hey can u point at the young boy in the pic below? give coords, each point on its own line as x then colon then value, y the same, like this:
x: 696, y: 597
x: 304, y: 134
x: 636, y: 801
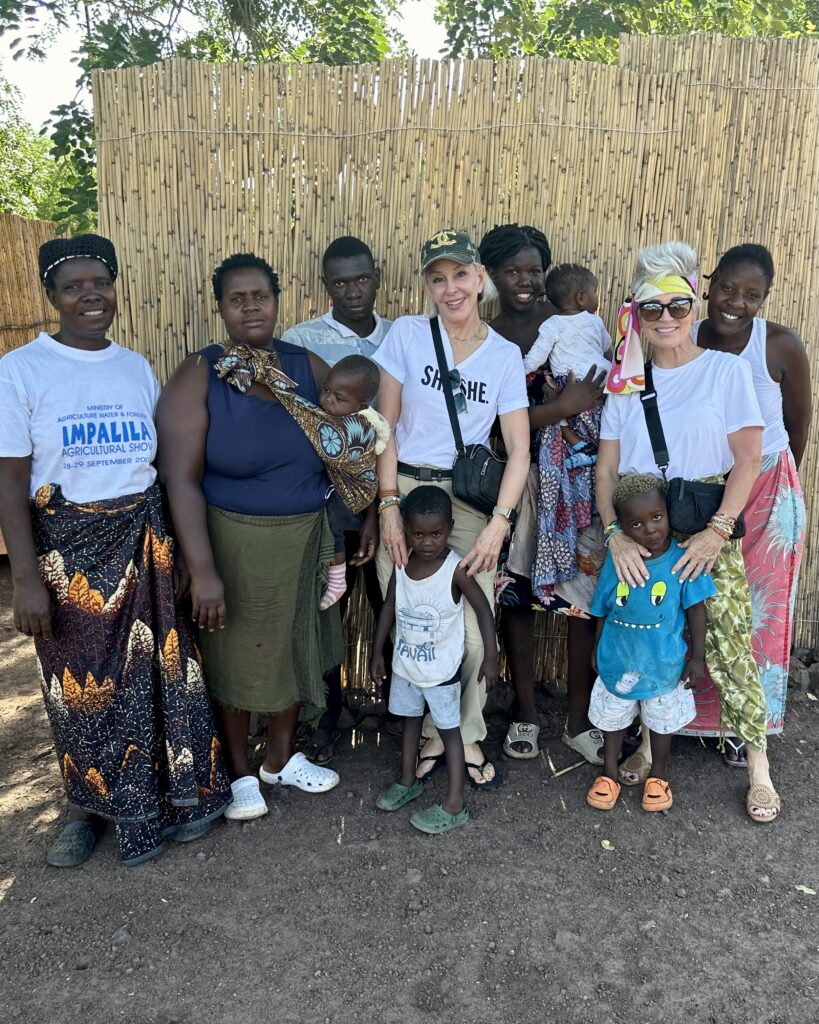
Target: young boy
x: 639, y: 651
x: 425, y: 602
x: 349, y: 390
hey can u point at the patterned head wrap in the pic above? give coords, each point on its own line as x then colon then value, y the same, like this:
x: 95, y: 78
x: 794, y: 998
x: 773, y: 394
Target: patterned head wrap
x: 627, y: 373
x: 671, y: 284
x: 93, y: 247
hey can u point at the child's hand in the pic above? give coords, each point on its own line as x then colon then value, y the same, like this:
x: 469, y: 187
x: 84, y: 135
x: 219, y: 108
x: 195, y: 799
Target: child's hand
x: 489, y: 672
x: 377, y: 672
x: 594, y: 660
x: 693, y: 673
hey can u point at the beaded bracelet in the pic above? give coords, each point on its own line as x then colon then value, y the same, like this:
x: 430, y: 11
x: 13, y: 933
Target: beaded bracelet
x: 720, y: 533
x: 611, y: 531
x: 389, y: 502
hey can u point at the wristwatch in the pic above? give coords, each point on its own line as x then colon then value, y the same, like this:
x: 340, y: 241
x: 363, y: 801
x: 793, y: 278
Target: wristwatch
x: 509, y: 514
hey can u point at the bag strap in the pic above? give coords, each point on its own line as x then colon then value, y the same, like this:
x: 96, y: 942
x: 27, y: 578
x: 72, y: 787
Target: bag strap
x: 654, y: 423
x: 443, y: 373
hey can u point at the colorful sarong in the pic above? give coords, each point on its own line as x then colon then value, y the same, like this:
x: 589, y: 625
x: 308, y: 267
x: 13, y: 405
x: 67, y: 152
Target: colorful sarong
x: 772, y: 552
x: 121, y: 678
x: 565, y: 501
x: 347, y: 445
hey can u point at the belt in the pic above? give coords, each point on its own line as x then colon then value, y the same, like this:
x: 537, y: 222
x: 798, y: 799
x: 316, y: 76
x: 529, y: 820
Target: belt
x: 424, y: 472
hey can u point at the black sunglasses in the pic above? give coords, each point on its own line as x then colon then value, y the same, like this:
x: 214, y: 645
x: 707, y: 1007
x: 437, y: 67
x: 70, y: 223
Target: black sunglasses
x: 458, y: 392
x: 678, y: 309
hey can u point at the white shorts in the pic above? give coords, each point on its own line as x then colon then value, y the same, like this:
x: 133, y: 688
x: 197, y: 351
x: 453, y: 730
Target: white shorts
x: 407, y: 700
x: 665, y: 714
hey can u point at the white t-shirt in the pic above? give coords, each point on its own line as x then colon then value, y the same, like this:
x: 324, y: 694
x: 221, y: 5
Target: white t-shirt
x: 86, y: 418
x: 492, y: 379
x: 575, y: 342
x: 700, y: 404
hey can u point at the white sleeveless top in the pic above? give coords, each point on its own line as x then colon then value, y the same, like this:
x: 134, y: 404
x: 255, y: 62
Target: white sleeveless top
x: 768, y: 391
x: 429, y: 626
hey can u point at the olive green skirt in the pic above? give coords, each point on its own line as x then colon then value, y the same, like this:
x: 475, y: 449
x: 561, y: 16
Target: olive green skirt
x: 276, y: 645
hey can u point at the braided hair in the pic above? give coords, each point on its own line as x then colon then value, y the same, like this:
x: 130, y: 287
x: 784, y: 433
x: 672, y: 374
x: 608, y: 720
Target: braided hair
x: 506, y: 240
x: 632, y: 485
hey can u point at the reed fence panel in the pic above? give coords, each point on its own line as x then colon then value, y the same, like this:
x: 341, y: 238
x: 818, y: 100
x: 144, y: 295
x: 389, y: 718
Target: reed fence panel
x: 24, y: 308
x: 694, y: 138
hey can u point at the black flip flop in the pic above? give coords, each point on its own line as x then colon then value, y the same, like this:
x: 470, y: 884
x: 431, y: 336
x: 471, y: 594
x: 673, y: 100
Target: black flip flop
x: 492, y: 783
x: 314, y: 749
x: 437, y: 759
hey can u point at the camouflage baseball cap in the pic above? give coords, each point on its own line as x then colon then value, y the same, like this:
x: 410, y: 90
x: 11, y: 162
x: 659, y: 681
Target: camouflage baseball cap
x: 449, y: 245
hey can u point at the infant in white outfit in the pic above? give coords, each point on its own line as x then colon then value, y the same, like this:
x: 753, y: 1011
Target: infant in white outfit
x: 576, y: 339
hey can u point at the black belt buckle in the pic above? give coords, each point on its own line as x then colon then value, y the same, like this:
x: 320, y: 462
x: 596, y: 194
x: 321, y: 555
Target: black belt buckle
x: 424, y: 473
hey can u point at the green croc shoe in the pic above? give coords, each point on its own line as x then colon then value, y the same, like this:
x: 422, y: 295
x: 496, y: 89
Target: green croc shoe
x: 73, y: 845
x: 435, y: 820
x: 395, y: 796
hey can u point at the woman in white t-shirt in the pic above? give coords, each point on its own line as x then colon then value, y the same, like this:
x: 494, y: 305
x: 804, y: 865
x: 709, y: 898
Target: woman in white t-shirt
x: 93, y: 568
x: 712, y: 424
x: 486, y: 376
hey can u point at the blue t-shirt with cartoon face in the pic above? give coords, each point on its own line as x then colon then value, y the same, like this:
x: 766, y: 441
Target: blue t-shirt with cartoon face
x: 641, y: 653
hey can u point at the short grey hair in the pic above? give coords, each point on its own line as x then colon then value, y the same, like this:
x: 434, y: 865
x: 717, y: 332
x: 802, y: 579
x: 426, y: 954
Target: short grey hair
x: 655, y: 261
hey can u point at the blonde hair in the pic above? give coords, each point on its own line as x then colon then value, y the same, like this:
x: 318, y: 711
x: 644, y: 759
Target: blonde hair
x: 663, y: 260
x: 633, y: 484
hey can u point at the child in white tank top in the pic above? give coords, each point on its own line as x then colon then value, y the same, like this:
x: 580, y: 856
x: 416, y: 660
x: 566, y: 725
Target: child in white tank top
x: 425, y: 603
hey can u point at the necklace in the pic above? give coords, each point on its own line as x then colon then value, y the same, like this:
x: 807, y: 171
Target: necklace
x: 480, y: 333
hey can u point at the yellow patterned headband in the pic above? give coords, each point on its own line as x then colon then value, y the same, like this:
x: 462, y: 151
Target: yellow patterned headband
x: 671, y: 284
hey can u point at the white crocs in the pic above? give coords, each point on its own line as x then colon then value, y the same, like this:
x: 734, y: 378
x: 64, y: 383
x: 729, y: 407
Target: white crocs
x: 302, y: 774
x: 247, y: 801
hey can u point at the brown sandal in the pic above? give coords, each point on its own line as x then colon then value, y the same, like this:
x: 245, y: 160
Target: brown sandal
x: 603, y: 794
x: 636, y: 764
x: 657, y: 795
x: 763, y: 798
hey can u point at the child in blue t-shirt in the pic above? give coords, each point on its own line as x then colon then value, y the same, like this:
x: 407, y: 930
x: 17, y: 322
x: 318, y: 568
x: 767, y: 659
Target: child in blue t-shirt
x: 639, y: 650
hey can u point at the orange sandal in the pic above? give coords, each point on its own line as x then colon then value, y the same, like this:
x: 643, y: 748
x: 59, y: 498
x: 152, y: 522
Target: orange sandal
x: 603, y: 794
x: 657, y: 795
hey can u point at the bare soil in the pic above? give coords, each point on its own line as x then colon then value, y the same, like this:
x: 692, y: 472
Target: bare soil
x: 329, y: 911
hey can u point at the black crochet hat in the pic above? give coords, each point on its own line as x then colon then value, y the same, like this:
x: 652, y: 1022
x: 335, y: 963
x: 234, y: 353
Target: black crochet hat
x: 95, y: 247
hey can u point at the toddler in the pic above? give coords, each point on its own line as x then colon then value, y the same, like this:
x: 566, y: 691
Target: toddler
x: 425, y: 603
x: 639, y: 651
x: 574, y: 341
x: 350, y: 389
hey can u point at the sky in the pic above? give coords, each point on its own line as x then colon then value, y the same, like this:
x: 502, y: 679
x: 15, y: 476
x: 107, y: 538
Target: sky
x: 45, y: 84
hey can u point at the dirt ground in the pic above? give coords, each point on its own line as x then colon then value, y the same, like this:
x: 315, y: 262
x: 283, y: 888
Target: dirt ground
x: 328, y: 911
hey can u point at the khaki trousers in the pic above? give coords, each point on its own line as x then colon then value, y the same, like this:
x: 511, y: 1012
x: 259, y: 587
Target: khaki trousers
x: 468, y: 524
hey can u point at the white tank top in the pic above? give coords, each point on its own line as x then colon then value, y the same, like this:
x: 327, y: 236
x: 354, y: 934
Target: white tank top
x: 429, y: 626
x: 768, y: 391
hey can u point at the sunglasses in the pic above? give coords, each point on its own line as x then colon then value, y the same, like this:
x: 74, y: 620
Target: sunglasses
x: 458, y: 392
x: 678, y: 309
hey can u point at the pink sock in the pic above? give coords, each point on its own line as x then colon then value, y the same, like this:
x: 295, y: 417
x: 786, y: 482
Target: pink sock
x: 336, y: 585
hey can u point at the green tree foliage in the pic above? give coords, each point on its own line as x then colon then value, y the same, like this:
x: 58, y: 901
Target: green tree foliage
x: 589, y: 29
x: 128, y: 33
x: 30, y: 178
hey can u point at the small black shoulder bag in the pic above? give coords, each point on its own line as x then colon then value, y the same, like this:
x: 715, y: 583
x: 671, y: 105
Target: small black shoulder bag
x: 476, y: 472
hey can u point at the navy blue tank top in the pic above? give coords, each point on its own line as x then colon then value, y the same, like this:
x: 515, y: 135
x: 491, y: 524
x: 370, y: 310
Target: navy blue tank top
x: 258, y: 461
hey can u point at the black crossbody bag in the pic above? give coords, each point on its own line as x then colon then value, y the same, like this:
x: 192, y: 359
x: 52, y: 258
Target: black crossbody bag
x: 691, y: 503
x: 476, y: 471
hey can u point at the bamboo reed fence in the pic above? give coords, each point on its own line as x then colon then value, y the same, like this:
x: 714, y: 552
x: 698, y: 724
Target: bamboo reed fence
x: 710, y: 140
x: 24, y: 309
